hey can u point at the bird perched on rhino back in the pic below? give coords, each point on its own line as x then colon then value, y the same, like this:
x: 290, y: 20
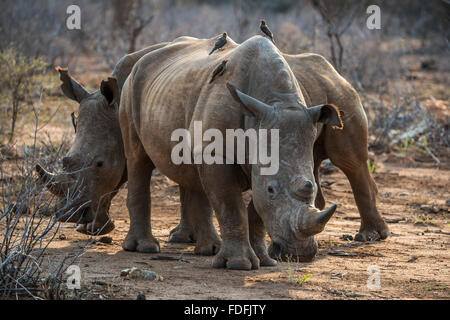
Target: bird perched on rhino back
x: 220, y: 43
x: 219, y: 70
x: 265, y: 29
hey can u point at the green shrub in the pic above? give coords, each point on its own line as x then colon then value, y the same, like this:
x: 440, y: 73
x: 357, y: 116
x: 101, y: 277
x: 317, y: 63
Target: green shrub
x: 17, y: 81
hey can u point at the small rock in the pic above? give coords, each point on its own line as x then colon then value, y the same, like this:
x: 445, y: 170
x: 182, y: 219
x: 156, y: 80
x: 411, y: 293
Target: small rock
x: 404, y: 194
x: 430, y: 209
x: 386, y: 195
x: 99, y: 282
x: 447, y: 202
x: 149, y: 275
x: 435, y: 209
x: 124, y: 272
x: 141, y: 296
x: 106, y: 239
x: 134, y: 273
x: 341, y: 253
x: 394, y: 220
x: 347, y: 237
x: 62, y: 236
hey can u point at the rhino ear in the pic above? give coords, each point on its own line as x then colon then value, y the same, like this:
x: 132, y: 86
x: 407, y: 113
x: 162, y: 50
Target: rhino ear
x: 327, y: 114
x: 253, y: 106
x: 110, y: 90
x: 71, y: 88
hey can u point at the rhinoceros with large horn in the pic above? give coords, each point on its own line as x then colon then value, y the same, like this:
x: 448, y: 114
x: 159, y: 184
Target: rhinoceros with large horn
x: 316, y: 83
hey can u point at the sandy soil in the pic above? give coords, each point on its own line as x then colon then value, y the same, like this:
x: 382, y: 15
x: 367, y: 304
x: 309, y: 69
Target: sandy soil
x: 414, y: 261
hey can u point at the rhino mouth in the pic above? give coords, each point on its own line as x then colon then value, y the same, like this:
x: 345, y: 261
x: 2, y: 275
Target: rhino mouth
x: 303, y: 251
x: 82, y: 214
x: 91, y: 214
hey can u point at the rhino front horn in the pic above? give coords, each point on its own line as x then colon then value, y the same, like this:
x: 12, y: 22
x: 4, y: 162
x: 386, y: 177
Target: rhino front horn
x: 316, y: 221
x: 323, y: 217
x: 53, y: 182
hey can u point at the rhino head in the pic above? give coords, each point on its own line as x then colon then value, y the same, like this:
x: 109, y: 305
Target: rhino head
x: 285, y: 200
x: 95, y: 165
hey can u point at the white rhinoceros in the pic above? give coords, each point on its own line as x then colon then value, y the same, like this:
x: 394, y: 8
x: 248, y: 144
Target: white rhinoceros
x: 167, y: 90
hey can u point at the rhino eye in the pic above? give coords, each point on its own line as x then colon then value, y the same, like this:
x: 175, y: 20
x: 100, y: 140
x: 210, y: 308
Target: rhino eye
x: 99, y: 164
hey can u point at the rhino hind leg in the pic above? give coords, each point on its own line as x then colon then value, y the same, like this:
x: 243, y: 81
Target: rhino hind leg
x: 319, y: 156
x: 347, y: 149
x: 197, y: 222
x: 373, y: 227
x: 182, y: 233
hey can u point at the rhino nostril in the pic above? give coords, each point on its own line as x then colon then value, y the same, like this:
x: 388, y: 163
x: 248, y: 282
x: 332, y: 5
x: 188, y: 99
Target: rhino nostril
x: 305, y: 192
x: 308, y: 186
x: 66, y: 162
x: 272, y: 189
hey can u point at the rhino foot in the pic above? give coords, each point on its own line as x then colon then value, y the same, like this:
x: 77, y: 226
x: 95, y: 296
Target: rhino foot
x: 181, y: 234
x: 208, y: 246
x: 231, y: 258
x: 260, y: 249
x: 377, y: 232
x: 94, y: 229
x: 266, y: 261
x: 146, y: 244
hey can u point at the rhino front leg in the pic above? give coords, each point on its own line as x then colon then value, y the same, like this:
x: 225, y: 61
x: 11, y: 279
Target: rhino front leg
x: 257, y: 234
x: 140, y: 169
x: 140, y: 236
x: 197, y: 219
x: 224, y: 191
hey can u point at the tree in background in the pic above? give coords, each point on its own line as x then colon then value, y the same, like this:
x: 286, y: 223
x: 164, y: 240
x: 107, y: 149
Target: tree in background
x: 17, y: 82
x: 338, y: 16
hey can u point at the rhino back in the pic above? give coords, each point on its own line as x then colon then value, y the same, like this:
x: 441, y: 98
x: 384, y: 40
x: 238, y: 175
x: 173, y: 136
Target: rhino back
x: 174, y: 81
x: 127, y: 62
x: 169, y: 89
x: 321, y: 83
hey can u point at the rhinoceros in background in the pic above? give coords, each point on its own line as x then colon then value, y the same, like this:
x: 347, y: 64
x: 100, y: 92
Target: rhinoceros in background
x: 96, y: 167
x: 319, y: 83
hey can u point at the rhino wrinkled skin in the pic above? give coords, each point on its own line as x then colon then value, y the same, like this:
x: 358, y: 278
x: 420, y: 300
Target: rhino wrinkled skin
x: 168, y: 89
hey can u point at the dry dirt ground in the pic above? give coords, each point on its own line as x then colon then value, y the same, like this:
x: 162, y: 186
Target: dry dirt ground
x: 414, y: 261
